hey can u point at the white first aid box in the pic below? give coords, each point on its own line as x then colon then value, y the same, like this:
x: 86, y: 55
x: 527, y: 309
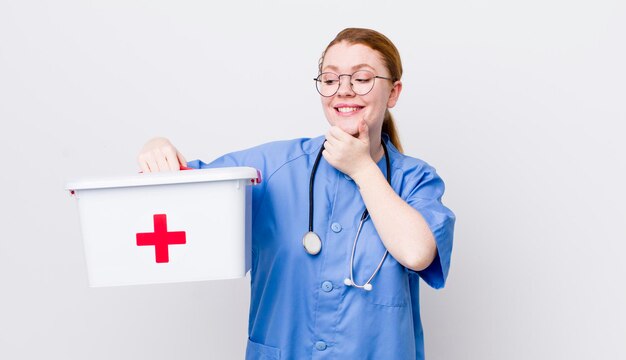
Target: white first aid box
x: 166, y: 227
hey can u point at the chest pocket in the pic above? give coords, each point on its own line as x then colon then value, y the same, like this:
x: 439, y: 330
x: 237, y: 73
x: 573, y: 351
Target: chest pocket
x: 390, y: 286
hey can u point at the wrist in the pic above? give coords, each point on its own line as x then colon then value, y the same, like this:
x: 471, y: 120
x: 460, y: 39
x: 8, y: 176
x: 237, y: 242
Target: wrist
x: 365, y: 172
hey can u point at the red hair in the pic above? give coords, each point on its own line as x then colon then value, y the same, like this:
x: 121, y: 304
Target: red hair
x: 391, y: 58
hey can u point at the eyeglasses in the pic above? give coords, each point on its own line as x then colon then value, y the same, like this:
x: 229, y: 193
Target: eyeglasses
x: 361, y: 82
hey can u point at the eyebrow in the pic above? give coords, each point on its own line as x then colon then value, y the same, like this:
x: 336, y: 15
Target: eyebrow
x: 332, y: 67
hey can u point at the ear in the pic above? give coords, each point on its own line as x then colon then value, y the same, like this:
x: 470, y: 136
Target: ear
x: 395, y: 94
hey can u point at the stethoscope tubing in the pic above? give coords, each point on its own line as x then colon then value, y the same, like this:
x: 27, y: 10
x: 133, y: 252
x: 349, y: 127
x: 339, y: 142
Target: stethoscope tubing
x: 312, y: 181
x: 364, y: 216
x: 380, y: 264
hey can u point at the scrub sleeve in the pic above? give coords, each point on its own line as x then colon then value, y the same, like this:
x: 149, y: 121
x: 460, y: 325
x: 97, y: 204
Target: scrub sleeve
x: 425, y: 197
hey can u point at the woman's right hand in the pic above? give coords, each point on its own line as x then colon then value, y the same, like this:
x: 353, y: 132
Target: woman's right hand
x: 159, y: 154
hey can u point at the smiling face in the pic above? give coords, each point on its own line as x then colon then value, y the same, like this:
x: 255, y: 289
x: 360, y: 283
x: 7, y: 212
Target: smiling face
x: 345, y: 109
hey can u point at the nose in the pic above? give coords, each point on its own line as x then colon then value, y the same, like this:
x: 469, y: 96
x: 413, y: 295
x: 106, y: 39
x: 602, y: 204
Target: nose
x: 345, y: 86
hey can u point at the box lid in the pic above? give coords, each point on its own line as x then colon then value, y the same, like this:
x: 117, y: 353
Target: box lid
x: 169, y: 177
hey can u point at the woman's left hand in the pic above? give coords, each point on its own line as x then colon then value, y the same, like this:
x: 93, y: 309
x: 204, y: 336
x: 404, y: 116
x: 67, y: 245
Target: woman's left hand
x: 347, y: 153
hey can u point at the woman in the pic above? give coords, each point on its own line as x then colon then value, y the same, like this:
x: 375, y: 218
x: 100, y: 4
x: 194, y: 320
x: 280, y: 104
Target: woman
x: 352, y: 292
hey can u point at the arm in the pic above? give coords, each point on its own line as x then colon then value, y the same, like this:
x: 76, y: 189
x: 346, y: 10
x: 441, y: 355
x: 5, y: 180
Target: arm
x: 403, y: 230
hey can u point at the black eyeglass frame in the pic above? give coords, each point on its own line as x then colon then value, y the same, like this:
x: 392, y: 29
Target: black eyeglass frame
x: 317, y: 80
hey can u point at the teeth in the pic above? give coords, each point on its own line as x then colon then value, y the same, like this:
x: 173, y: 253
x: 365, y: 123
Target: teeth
x: 347, y: 109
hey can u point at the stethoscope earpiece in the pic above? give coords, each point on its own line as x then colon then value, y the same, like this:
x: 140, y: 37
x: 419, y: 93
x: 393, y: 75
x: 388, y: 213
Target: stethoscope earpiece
x: 348, y: 282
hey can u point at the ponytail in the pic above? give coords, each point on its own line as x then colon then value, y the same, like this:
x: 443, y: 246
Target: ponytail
x: 389, y: 128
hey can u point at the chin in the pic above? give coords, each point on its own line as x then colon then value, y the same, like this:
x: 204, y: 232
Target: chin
x: 351, y: 127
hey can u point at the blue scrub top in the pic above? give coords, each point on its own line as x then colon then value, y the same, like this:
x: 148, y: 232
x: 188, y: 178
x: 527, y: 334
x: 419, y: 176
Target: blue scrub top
x: 299, y: 306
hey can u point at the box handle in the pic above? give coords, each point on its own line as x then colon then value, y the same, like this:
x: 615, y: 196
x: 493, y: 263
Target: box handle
x: 258, y: 178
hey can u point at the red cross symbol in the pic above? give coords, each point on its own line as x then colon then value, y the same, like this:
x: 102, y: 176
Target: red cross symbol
x: 161, y: 238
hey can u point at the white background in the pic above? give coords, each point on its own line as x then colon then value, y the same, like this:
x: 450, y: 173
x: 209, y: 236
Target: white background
x: 518, y: 104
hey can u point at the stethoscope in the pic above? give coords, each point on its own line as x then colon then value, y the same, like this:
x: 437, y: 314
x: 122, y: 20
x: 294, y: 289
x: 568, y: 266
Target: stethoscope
x: 312, y: 242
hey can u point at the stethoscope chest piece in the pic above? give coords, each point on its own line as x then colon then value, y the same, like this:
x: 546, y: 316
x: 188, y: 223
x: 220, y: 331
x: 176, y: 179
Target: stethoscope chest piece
x: 312, y: 243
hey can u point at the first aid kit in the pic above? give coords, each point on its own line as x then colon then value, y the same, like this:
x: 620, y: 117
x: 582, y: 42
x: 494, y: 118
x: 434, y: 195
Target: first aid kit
x: 166, y: 227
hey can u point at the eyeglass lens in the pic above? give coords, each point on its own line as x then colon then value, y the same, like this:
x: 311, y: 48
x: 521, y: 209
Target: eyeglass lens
x: 361, y: 82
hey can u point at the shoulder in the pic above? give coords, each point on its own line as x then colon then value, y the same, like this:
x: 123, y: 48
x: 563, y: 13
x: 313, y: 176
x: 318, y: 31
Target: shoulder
x: 288, y: 148
x: 272, y: 156
x: 406, y: 165
x: 281, y: 152
x: 411, y: 173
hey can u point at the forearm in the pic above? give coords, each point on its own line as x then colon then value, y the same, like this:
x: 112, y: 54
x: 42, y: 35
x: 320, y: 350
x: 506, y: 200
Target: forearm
x: 403, y: 230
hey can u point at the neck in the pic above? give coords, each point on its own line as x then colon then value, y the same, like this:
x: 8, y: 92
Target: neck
x: 376, y: 149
